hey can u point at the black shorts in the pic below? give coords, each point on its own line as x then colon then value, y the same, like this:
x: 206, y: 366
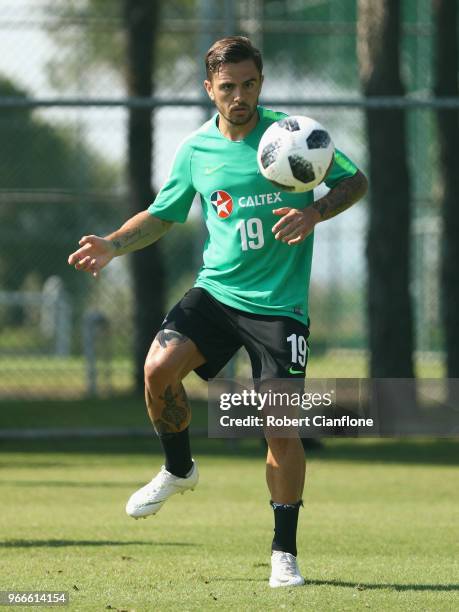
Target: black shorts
x: 277, y: 345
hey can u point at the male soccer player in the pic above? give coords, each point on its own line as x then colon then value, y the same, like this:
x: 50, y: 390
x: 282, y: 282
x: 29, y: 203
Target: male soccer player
x: 251, y: 290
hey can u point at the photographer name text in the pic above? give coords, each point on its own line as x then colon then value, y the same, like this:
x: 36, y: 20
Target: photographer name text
x: 283, y: 421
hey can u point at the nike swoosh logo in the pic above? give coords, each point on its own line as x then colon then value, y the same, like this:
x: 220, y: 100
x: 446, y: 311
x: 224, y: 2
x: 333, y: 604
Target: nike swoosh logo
x: 212, y: 170
x: 151, y: 503
x: 292, y: 371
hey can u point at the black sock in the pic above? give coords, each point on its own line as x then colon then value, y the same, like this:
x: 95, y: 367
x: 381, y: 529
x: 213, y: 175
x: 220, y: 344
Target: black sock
x: 285, y: 524
x: 176, y: 447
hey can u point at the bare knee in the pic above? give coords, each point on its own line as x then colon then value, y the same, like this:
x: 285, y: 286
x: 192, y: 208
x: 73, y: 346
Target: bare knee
x: 279, y: 447
x: 159, y: 374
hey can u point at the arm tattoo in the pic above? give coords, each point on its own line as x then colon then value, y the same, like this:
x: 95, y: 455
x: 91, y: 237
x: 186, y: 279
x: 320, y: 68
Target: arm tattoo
x: 342, y: 196
x: 175, y: 413
x: 127, y: 239
x: 170, y: 337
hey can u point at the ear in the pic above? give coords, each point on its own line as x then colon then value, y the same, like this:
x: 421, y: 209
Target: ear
x: 208, y: 87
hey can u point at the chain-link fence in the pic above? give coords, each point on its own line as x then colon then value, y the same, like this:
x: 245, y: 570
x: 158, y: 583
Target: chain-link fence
x: 63, y: 175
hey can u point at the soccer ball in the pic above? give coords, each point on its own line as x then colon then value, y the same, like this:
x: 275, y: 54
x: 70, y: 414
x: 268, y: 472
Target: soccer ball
x: 295, y: 153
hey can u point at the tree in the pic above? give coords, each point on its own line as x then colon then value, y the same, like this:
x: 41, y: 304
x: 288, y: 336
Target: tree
x: 388, y: 243
x: 446, y: 84
x: 40, y: 167
x: 141, y: 17
x: 91, y: 37
x: 121, y: 37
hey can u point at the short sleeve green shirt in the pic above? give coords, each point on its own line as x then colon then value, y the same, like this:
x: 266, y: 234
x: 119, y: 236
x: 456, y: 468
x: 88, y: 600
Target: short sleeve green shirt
x: 243, y: 265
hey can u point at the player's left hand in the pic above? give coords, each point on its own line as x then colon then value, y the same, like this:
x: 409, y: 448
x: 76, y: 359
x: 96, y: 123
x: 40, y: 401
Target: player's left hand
x: 294, y: 225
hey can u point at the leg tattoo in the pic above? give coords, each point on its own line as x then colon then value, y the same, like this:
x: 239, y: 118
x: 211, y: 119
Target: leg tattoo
x: 176, y: 411
x: 170, y: 337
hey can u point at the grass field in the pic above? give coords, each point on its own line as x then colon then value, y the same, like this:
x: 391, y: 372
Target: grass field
x: 32, y: 376
x: 379, y: 529
x: 35, y: 376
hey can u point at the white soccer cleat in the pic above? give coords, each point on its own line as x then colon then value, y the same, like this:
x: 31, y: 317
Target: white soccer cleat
x: 150, y: 498
x: 284, y: 570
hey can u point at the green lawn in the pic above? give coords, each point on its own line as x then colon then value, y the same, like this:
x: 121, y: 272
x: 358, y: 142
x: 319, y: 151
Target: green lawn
x: 35, y: 376
x: 118, y: 412
x: 379, y: 529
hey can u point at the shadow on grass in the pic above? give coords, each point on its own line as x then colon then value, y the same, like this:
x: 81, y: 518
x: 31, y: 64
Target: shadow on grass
x: 435, y: 451
x: 68, y: 483
x: 63, y: 543
x: 18, y: 463
x: 122, y: 446
x: 129, y: 411
x: 119, y: 411
x: 364, y: 586
x: 361, y: 586
x: 427, y: 451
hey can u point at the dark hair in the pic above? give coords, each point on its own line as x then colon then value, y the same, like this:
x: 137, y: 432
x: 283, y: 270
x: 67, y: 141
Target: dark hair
x: 231, y: 50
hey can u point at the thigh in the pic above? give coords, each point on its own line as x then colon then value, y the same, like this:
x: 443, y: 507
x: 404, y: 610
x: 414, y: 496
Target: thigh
x: 277, y: 346
x: 174, y: 352
x: 210, y: 327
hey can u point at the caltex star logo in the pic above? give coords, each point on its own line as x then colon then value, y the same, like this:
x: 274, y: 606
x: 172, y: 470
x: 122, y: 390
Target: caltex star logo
x: 222, y: 203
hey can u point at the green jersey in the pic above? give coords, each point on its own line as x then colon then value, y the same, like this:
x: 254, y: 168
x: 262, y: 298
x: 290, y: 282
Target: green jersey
x: 244, y: 266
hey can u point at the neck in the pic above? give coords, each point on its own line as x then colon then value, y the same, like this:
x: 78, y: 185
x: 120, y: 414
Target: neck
x: 236, y: 132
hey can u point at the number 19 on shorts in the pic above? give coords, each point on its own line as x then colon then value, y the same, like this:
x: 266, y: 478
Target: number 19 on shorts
x: 299, y: 348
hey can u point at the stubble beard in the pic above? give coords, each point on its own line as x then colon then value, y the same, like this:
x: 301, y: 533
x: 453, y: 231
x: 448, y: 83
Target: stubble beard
x: 242, y: 120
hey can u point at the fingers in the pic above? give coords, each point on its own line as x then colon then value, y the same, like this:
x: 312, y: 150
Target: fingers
x: 77, y: 256
x: 289, y: 215
x: 287, y: 224
x: 291, y: 231
x: 281, y: 223
x: 296, y: 240
x: 95, y: 268
x: 294, y: 233
x: 87, y: 240
x: 82, y: 263
x: 293, y: 227
x: 82, y: 258
x: 85, y: 263
x: 90, y: 266
x: 282, y: 211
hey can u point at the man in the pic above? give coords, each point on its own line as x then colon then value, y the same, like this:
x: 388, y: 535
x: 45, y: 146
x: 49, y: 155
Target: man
x: 251, y: 290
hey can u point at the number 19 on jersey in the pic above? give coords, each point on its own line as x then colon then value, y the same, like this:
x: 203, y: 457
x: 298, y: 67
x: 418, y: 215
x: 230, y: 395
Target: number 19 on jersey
x: 251, y: 234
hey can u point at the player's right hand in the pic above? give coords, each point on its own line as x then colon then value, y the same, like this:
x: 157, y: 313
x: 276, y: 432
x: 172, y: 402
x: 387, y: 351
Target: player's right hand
x: 93, y: 255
